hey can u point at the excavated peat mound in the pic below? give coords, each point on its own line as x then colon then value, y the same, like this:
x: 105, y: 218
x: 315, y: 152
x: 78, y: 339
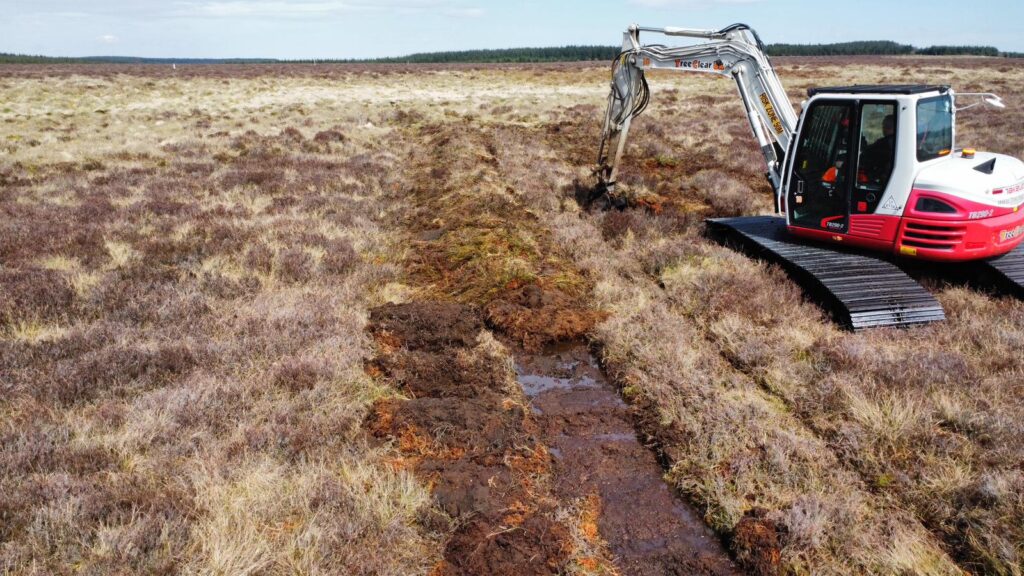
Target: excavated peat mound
x: 534, y: 317
x: 590, y: 434
x: 466, y: 433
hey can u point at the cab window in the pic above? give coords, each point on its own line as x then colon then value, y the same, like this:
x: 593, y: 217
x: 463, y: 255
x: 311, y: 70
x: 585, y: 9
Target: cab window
x: 876, y: 156
x: 819, y: 184
x: 934, y: 128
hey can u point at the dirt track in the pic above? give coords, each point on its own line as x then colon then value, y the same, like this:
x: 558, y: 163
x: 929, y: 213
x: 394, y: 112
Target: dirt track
x: 466, y: 432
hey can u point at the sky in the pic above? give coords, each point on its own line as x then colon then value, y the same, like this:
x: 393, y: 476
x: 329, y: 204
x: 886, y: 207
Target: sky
x: 368, y: 29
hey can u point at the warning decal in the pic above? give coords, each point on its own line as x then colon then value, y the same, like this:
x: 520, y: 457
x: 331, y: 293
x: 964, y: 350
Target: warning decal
x: 770, y: 110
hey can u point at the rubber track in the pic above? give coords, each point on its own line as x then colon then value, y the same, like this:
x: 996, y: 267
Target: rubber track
x: 1008, y: 271
x: 860, y: 291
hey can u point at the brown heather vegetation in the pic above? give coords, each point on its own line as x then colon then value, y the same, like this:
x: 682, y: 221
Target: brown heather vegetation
x: 182, y: 303
x: 188, y: 261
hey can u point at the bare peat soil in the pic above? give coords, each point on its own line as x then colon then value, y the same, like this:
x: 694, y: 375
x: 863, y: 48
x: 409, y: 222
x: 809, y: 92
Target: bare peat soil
x: 503, y: 451
x: 464, y: 433
x: 510, y: 448
x: 589, y: 432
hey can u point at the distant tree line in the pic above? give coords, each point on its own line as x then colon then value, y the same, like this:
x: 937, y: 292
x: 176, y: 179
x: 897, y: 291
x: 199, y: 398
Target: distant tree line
x: 29, y: 59
x: 510, y: 55
x: 26, y: 59
x: 561, y: 54
x: 867, y: 47
x: 605, y: 53
x: 959, y: 51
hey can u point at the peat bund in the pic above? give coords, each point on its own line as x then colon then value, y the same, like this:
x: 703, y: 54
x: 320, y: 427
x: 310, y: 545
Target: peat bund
x: 465, y: 431
x: 589, y: 432
x: 500, y: 463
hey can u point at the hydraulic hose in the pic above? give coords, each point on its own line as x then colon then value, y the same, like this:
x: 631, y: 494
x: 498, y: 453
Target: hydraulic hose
x: 640, y: 99
x: 641, y: 96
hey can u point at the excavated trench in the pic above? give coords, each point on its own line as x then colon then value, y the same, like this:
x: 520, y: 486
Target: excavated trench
x: 465, y: 431
x: 519, y: 464
x: 589, y: 433
x: 501, y: 461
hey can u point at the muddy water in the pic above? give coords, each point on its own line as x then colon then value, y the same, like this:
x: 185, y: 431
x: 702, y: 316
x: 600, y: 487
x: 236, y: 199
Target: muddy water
x: 589, y: 433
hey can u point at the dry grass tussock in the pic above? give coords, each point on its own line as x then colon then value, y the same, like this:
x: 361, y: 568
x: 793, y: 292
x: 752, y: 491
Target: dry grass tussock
x: 884, y: 452
x: 737, y: 449
x: 912, y: 429
x: 182, y: 303
x: 185, y: 269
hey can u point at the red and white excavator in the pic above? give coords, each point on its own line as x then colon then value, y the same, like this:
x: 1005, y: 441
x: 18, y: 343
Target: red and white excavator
x: 874, y: 167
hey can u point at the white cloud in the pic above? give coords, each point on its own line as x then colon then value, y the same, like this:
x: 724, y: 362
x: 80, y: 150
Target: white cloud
x: 464, y: 12
x: 692, y: 4
x: 108, y: 39
x: 263, y: 8
x: 313, y: 8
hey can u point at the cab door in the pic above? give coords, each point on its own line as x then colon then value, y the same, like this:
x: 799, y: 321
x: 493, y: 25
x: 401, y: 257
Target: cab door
x: 819, y: 186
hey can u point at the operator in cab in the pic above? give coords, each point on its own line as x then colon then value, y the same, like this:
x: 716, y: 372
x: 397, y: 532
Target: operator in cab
x: 880, y: 154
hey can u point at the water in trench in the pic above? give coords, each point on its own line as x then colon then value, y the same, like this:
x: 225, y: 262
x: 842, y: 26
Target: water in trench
x: 589, y: 432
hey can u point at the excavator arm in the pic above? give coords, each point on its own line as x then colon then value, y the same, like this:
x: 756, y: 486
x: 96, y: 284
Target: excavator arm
x: 734, y: 51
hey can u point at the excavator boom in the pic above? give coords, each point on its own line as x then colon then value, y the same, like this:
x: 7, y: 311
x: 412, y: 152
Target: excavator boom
x: 734, y: 51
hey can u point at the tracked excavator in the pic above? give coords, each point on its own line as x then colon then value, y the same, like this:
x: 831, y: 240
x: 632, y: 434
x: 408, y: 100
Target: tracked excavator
x: 874, y: 168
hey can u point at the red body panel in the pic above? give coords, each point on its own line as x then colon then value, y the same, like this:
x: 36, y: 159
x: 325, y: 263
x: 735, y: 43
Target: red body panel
x: 874, y: 227
x: 835, y: 237
x: 973, y: 232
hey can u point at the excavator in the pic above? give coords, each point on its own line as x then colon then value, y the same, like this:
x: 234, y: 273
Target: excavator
x: 872, y: 168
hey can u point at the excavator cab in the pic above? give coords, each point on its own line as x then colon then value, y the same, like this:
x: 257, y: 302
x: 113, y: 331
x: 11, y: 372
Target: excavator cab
x: 845, y: 155
x: 877, y: 167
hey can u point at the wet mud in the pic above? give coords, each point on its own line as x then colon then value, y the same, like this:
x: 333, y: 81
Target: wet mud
x: 466, y: 430
x: 596, y: 454
x: 503, y: 445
